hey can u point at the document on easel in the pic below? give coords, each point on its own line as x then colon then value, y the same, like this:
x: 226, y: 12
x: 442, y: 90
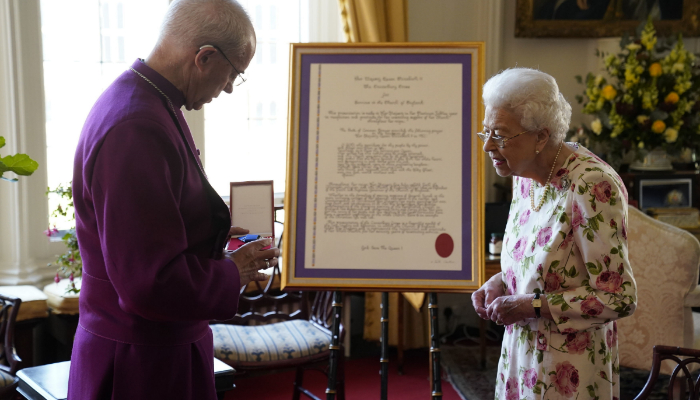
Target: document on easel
x: 385, y: 172
x: 385, y: 167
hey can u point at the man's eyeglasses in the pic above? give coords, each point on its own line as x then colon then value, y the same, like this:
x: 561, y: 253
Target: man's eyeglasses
x: 499, y: 140
x: 240, y: 79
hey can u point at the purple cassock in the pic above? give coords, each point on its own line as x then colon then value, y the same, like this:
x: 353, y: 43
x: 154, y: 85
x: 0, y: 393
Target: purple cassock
x: 151, y: 230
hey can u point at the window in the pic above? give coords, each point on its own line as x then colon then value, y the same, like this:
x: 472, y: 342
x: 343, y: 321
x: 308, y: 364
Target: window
x: 88, y: 43
x: 246, y: 132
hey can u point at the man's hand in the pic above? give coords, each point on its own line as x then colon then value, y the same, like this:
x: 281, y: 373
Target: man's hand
x: 507, y: 310
x: 250, y: 259
x: 483, y: 297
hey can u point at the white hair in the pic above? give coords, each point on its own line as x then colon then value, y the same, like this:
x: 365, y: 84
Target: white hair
x: 532, y: 95
x: 222, y: 23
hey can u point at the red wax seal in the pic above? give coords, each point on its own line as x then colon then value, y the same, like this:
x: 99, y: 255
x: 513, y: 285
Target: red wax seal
x: 444, y: 245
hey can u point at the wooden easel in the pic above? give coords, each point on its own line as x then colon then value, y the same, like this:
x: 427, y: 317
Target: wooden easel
x: 435, y: 383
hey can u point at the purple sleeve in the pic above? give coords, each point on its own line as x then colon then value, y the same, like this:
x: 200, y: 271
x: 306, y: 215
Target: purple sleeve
x: 138, y: 181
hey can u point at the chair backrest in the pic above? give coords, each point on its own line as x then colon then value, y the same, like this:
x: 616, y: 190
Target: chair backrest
x: 322, y: 312
x: 265, y: 302
x: 684, y: 361
x: 665, y: 262
x: 9, y: 307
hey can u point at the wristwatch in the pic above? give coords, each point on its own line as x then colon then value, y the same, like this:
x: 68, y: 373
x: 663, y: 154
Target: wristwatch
x: 536, y: 304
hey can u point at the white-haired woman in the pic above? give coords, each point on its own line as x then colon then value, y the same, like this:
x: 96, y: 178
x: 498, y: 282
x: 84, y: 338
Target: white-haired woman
x: 565, y: 275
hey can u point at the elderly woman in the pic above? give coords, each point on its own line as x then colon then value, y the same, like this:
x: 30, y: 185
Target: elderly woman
x: 565, y: 275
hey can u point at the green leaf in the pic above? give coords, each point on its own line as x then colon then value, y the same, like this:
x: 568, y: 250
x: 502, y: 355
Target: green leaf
x: 590, y: 236
x: 554, y: 264
x: 578, y: 78
x: 600, y: 217
x: 591, y: 392
x: 565, y: 306
x: 2, y: 142
x: 593, y: 223
x: 581, y: 189
x: 572, y: 272
x: 593, y: 269
x: 613, y: 250
x: 20, y: 164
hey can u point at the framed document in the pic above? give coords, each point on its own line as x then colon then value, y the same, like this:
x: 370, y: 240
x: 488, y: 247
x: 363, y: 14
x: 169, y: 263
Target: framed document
x: 384, y: 175
x: 252, y: 208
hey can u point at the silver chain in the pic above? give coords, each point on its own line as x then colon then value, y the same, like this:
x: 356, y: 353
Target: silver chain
x: 170, y: 103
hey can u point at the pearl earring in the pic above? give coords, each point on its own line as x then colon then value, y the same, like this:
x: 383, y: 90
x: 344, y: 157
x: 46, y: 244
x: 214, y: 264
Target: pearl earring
x: 537, y: 152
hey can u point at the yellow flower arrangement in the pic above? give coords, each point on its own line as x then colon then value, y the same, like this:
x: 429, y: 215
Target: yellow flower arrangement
x: 649, y: 98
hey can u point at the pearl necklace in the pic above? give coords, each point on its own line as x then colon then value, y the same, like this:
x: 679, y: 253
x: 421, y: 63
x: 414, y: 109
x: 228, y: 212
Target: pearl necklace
x: 546, y: 187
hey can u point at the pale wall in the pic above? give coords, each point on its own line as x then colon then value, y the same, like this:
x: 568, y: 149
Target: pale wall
x: 494, y: 21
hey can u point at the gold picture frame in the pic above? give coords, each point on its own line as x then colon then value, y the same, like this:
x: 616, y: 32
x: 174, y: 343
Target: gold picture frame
x: 305, y: 266
x: 528, y: 26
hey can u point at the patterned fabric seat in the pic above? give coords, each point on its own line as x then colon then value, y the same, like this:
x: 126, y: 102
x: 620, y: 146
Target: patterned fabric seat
x: 665, y: 262
x: 6, y: 379
x: 262, y: 345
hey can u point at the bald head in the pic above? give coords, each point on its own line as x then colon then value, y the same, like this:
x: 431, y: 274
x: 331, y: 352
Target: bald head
x: 190, y: 24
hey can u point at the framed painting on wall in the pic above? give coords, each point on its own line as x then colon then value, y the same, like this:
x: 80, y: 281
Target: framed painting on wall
x: 604, y: 18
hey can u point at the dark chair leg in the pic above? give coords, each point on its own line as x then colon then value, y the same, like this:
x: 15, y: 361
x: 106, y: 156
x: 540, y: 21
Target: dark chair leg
x: 340, y: 386
x: 297, y: 383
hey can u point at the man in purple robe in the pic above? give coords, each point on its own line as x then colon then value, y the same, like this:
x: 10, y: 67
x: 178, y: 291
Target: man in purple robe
x: 151, y: 229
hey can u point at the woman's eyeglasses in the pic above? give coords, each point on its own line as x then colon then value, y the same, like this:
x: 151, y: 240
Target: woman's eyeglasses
x: 499, y: 140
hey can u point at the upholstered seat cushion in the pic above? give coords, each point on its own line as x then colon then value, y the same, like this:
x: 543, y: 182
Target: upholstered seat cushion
x: 262, y: 345
x: 33, y: 301
x: 59, y: 300
x: 6, y: 379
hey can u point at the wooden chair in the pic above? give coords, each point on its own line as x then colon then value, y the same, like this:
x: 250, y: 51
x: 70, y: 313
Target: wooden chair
x: 276, y: 330
x: 9, y: 361
x: 681, y: 380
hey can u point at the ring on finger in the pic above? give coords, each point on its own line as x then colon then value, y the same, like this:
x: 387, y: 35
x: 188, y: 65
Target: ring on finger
x: 267, y: 262
x: 499, y: 322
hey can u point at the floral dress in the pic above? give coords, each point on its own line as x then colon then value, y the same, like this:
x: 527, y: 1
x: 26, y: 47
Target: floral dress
x: 574, y: 252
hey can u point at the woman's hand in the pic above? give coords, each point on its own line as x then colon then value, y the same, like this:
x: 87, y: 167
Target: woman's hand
x: 250, y: 258
x: 507, y: 310
x: 486, y: 294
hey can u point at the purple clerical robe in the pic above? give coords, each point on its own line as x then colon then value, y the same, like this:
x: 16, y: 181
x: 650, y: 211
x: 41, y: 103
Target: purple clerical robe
x: 151, y: 230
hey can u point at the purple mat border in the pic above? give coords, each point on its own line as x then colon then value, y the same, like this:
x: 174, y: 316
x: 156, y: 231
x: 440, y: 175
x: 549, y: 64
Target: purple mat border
x: 466, y: 272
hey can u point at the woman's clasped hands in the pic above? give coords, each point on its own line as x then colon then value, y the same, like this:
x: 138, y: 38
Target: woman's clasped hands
x: 492, y: 303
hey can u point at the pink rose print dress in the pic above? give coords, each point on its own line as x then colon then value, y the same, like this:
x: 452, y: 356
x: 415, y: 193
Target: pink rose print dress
x: 574, y: 252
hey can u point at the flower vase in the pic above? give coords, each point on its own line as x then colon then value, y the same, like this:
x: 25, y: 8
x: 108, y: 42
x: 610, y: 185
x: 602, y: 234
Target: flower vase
x: 655, y: 160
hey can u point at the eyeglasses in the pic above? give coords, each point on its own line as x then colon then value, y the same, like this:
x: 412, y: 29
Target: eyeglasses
x: 499, y: 140
x: 240, y: 79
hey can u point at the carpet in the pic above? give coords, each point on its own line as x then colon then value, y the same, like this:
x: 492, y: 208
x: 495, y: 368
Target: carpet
x: 462, y: 367
x: 362, y: 381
